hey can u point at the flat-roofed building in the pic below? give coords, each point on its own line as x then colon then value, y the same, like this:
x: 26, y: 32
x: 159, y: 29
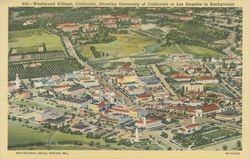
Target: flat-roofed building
x: 193, y: 87
x: 71, y: 102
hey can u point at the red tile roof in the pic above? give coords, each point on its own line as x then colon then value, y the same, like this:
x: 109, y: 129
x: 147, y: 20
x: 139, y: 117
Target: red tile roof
x: 124, y: 68
x: 180, y: 75
x: 207, y: 108
x: 61, y: 86
x: 147, y: 121
x: 202, y: 78
x: 210, y: 107
x: 182, y: 129
x: 11, y: 84
x: 102, y: 104
x: 191, y: 126
x: 184, y: 108
x: 69, y: 25
x: 144, y: 95
x: 119, y: 110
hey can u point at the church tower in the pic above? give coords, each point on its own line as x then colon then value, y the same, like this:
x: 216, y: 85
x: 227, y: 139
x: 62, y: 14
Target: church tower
x: 17, y: 82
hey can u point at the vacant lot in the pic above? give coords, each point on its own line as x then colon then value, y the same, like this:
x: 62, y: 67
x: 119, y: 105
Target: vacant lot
x: 28, y: 41
x: 125, y: 45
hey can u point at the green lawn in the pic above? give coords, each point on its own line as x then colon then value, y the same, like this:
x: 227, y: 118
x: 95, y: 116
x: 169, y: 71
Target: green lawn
x: 164, y: 69
x: 155, y: 31
x: 58, y: 136
x: 148, y: 61
x: 218, y: 89
x: 125, y: 45
x: 21, y: 135
x: 199, y: 52
x: 26, y: 41
x: 218, y: 133
x: 143, y: 71
x: 167, y: 50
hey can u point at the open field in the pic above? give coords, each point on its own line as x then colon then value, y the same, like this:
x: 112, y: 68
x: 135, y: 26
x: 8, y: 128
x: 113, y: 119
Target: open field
x: 218, y: 133
x: 155, y: 31
x: 125, y: 45
x: 200, y: 52
x: 47, y: 68
x: 168, y: 50
x: 143, y: 71
x: 164, y: 69
x: 21, y: 135
x: 28, y: 41
x: 58, y: 136
x: 148, y: 61
x: 198, y: 31
x: 218, y: 88
x: 108, y: 64
x: 231, y: 144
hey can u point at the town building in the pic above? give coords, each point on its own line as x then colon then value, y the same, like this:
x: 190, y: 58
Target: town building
x: 68, y: 27
x: 81, y: 127
x: 114, y: 118
x: 11, y: 87
x: 13, y: 109
x: 21, y: 94
x: 71, y: 102
x: 120, y: 109
x: 206, y: 110
x: 75, y: 90
x: 89, y: 27
x: 97, y: 108
x: 17, y: 81
x: 193, y: 87
x: 123, y: 18
x: 180, y: 77
x: 137, y: 113
x: 47, y: 114
x: 227, y: 118
x: 206, y: 79
x: 143, y: 98
x: 110, y: 25
x: 186, y: 18
x: 128, y: 80
x: 188, y: 129
x: 148, y: 123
